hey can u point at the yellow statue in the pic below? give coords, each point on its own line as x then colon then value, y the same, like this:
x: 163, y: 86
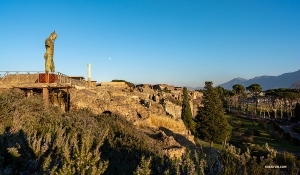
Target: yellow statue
x: 49, y: 63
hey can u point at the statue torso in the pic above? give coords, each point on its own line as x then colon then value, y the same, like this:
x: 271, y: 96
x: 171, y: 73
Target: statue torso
x: 49, y: 45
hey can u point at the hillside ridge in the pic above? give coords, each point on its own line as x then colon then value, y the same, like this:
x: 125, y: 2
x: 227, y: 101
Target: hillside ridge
x: 284, y: 80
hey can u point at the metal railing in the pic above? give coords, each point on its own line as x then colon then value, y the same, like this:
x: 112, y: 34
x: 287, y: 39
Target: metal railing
x: 66, y: 79
x: 26, y: 77
x: 19, y: 77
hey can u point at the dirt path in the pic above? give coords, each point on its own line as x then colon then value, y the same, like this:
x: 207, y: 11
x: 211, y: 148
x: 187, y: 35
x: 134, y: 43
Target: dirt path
x: 288, y: 128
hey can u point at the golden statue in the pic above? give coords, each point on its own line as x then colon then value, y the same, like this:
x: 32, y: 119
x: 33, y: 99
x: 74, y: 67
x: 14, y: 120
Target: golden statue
x: 49, y: 44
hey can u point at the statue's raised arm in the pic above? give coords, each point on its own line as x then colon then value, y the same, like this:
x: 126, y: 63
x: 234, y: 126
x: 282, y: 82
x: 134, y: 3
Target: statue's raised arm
x: 49, y: 44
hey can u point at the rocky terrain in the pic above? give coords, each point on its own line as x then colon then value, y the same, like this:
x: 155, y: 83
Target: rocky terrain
x: 156, y: 113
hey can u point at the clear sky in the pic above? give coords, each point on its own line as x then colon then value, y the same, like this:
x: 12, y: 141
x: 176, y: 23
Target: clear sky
x: 178, y: 42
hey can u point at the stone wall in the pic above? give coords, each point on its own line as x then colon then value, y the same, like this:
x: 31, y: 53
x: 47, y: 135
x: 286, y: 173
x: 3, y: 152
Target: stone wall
x: 114, y: 84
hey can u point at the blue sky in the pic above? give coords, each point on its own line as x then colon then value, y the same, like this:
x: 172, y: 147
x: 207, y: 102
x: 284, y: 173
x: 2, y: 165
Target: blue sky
x: 178, y: 42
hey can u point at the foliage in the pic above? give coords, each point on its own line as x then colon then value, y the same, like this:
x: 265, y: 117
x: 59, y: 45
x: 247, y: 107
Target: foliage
x: 186, y: 112
x: 296, y: 128
x: 289, y: 160
x: 211, y: 122
x: 262, y: 125
x: 222, y: 94
x: 297, y: 112
x: 41, y: 139
x: 255, y: 89
x: 238, y: 89
x: 144, y: 169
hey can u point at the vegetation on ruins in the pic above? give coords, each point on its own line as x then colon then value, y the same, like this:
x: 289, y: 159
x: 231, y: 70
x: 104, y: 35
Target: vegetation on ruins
x: 41, y: 139
x: 212, y: 125
x: 186, y: 112
x: 131, y: 85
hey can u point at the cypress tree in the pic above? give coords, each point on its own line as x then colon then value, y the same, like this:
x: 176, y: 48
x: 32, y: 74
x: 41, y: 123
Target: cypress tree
x: 186, y: 112
x: 212, y: 125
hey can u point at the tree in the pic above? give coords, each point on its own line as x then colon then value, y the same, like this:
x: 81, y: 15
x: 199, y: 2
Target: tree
x: 221, y: 92
x: 186, y: 112
x: 255, y: 90
x: 238, y: 89
x: 228, y: 94
x: 211, y: 123
x: 285, y: 97
x: 296, y: 85
x: 297, y: 111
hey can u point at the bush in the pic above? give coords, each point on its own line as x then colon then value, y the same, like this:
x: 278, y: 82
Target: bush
x: 259, y: 151
x: 262, y: 125
x: 256, y: 132
x: 240, y: 123
x: 287, y: 159
x: 296, y: 129
x: 248, y: 132
x: 296, y: 141
x: 275, y: 135
x: 288, y: 136
x: 247, y: 139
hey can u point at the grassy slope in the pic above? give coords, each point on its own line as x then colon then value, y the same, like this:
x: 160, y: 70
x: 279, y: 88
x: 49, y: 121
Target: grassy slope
x: 264, y: 137
x: 36, y: 138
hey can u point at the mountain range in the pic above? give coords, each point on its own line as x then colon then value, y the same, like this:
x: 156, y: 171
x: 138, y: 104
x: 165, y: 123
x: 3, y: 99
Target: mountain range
x: 266, y: 82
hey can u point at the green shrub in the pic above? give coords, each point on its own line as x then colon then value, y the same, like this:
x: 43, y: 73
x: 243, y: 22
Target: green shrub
x: 256, y: 132
x: 248, y: 132
x: 296, y: 128
x: 288, y: 136
x: 262, y: 125
x: 289, y: 160
x: 296, y: 141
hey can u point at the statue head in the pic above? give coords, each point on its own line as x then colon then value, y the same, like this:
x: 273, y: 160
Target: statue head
x: 53, y: 35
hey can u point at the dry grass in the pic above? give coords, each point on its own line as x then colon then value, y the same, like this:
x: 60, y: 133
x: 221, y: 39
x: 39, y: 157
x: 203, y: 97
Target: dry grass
x: 167, y: 122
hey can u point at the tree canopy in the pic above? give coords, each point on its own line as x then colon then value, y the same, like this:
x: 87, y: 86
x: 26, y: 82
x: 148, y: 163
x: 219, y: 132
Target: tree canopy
x: 255, y: 89
x: 239, y: 89
x: 211, y: 123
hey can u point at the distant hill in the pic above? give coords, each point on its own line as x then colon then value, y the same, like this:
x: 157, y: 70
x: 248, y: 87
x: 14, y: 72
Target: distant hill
x: 266, y: 82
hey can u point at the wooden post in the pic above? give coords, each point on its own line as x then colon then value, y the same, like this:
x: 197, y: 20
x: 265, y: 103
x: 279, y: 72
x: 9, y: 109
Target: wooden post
x: 46, y: 95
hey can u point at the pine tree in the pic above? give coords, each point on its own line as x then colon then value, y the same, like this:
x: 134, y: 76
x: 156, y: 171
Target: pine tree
x: 186, y: 112
x: 212, y: 125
